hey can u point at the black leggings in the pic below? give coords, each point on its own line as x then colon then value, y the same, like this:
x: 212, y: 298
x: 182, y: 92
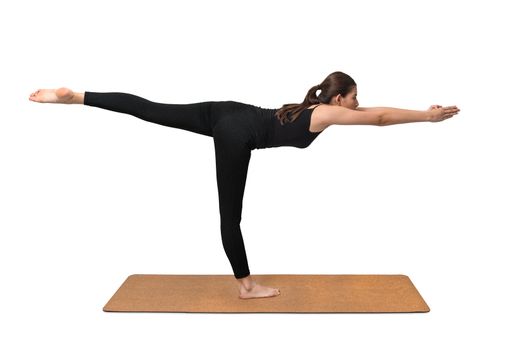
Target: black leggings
x: 218, y: 119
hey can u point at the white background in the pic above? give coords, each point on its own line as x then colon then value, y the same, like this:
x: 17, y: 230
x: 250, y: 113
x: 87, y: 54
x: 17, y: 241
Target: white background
x: 89, y: 196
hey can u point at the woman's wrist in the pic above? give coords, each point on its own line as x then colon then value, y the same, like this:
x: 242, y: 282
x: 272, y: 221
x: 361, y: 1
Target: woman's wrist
x: 430, y: 114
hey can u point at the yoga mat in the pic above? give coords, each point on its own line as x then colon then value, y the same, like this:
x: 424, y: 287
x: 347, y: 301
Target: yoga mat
x: 299, y: 294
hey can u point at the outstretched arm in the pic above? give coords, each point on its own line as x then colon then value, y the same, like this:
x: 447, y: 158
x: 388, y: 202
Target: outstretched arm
x: 390, y: 116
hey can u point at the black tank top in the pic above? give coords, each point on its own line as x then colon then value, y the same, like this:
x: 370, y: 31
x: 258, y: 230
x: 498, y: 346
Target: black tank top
x: 295, y: 134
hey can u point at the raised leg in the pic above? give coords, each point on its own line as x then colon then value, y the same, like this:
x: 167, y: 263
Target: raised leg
x: 194, y: 117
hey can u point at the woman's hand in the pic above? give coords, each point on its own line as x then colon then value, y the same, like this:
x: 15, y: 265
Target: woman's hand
x: 439, y: 113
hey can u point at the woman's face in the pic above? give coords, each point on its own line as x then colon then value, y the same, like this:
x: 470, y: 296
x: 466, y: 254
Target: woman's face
x: 349, y: 101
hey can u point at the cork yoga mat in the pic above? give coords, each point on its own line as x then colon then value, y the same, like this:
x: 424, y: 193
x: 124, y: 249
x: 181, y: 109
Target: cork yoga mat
x: 299, y: 294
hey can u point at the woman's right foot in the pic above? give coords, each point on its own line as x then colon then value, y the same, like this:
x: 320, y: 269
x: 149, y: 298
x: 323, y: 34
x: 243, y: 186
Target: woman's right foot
x: 258, y: 291
x: 61, y: 95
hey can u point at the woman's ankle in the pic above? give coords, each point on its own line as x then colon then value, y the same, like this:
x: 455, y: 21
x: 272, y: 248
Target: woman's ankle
x: 77, y: 98
x: 247, y: 282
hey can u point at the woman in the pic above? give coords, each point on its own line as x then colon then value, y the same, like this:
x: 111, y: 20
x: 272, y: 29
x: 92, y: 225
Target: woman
x: 238, y: 128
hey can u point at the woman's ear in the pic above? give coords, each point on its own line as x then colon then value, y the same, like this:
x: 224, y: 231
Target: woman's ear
x: 337, y: 100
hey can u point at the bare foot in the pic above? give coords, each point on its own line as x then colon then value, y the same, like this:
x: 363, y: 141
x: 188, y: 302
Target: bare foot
x: 61, y: 95
x: 258, y: 291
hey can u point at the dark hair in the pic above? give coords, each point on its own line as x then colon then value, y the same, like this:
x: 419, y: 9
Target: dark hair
x: 334, y: 84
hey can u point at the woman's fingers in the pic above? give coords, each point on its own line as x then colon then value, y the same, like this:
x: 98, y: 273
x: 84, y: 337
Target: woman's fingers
x: 451, y: 109
x: 449, y: 112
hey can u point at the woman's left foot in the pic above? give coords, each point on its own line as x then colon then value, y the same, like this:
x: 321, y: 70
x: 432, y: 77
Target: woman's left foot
x: 61, y: 95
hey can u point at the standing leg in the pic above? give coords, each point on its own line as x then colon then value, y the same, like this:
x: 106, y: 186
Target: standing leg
x: 194, y: 117
x: 232, y: 162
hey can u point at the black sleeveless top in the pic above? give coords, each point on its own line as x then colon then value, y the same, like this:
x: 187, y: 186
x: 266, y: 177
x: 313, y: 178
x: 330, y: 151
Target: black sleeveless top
x: 295, y: 134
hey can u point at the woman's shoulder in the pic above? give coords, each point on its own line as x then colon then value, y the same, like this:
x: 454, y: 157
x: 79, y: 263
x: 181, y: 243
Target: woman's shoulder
x: 314, y: 106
